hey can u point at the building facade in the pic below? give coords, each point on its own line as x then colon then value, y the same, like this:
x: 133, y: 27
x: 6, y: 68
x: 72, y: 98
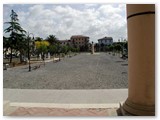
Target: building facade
x: 105, y: 41
x: 79, y: 40
x: 65, y: 42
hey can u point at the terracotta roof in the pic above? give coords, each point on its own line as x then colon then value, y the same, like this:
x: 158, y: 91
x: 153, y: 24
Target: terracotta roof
x: 79, y: 36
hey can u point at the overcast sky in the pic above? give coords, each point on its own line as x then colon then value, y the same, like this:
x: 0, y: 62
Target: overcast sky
x: 65, y: 20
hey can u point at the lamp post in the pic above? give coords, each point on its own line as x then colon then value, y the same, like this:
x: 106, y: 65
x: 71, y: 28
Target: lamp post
x: 59, y: 51
x: 29, y: 49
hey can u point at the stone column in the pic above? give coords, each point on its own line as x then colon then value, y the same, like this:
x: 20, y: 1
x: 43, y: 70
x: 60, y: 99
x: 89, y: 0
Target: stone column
x: 141, y: 44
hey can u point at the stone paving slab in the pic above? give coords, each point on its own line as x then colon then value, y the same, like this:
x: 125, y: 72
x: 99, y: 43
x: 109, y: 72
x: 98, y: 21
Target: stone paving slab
x: 31, y: 102
x: 99, y: 96
x: 38, y: 111
x: 50, y: 109
x: 62, y: 102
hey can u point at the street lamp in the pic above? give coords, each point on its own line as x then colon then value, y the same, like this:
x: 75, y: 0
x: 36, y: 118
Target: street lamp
x: 29, y: 49
x: 59, y: 51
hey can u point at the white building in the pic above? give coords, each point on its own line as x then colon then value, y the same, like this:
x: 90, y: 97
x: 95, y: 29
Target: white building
x: 105, y: 41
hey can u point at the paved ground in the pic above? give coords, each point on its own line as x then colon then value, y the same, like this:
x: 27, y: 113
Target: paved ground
x: 10, y: 110
x: 37, y: 111
x: 84, y: 71
x: 32, y: 102
x: 84, y: 85
x: 76, y: 97
x: 40, y: 102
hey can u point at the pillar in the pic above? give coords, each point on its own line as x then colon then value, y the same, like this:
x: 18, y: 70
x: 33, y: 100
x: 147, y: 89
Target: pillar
x: 141, y: 61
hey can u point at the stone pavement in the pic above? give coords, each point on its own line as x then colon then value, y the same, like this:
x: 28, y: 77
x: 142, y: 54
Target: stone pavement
x: 97, y: 96
x: 29, y: 102
x: 84, y: 85
x: 37, y: 111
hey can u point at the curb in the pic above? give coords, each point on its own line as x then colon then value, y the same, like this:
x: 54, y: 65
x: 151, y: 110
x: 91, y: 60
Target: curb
x: 60, y: 105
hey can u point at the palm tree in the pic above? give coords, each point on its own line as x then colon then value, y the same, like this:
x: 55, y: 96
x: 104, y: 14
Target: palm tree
x: 38, y: 39
x: 52, y: 39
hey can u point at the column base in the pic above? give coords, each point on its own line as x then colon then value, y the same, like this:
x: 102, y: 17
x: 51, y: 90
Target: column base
x: 132, y: 109
x: 122, y: 112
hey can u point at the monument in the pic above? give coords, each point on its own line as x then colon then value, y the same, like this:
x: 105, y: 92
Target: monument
x: 40, y: 57
x: 92, y: 48
x: 49, y: 56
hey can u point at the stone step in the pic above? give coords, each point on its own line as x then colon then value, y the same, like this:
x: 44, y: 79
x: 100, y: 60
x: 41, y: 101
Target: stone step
x: 7, y: 109
x: 63, y: 105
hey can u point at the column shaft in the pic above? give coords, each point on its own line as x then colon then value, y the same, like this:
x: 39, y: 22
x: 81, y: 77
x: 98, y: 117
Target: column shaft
x: 141, y: 44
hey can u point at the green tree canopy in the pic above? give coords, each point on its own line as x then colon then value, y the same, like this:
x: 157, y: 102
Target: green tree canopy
x: 52, y: 39
x: 53, y: 49
x: 38, y: 39
x: 17, y: 38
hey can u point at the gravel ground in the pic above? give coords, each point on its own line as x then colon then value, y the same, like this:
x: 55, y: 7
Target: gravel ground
x: 84, y: 71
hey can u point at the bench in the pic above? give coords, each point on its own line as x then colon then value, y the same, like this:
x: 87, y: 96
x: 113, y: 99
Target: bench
x: 36, y: 67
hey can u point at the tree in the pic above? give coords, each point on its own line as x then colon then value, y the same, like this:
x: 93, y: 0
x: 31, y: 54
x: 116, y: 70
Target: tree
x: 53, y: 49
x: 97, y: 47
x: 6, y: 45
x: 42, y: 48
x: 125, y: 48
x: 38, y: 39
x: 126, y: 45
x: 107, y: 48
x: 52, y: 39
x: 65, y: 49
x: 102, y: 46
x: 118, y: 47
x: 81, y: 48
x: 111, y: 47
x: 17, y: 36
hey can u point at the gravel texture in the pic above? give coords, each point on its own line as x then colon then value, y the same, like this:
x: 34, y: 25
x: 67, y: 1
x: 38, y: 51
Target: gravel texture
x: 83, y: 71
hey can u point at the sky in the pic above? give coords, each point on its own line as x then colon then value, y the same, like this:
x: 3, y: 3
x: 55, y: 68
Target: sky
x: 64, y: 20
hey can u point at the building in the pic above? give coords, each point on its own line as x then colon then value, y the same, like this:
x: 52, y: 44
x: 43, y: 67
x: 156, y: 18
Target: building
x: 105, y: 41
x: 65, y: 42
x: 79, y: 40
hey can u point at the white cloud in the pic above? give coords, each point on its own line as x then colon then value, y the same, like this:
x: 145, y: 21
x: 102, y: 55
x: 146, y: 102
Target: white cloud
x: 94, y: 20
x: 90, y: 5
